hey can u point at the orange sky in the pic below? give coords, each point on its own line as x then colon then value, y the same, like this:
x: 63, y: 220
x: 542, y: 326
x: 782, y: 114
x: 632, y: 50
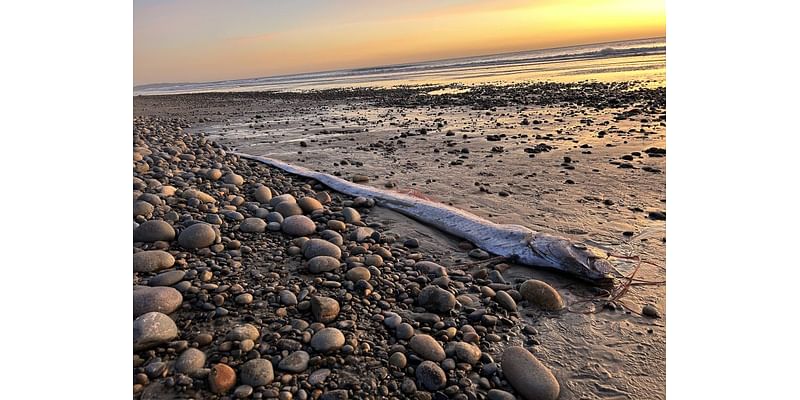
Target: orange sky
x: 204, y: 40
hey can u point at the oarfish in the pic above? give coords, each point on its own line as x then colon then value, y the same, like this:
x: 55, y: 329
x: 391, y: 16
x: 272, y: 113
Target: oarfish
x: 515, y: 242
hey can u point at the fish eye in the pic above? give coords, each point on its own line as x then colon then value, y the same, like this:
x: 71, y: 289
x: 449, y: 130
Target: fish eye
x: 579, y: 246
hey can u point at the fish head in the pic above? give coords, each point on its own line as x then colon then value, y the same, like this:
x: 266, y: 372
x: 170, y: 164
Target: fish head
x: 578, y: 259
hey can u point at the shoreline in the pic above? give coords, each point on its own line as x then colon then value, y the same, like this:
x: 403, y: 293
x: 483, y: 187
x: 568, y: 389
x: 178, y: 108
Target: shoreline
x: 562, y: 341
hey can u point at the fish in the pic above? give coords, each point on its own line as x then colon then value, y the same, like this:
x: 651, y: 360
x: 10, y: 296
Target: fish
x: 516, y: 243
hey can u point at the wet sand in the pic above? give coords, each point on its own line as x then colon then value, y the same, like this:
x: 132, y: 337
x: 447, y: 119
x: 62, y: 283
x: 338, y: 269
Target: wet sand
x: 583, y: 161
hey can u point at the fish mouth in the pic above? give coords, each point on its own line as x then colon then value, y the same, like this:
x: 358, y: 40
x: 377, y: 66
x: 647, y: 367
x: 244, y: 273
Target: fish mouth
x: 585, y: 262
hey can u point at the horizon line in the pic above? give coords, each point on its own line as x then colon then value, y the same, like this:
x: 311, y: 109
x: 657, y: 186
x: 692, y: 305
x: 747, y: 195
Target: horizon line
x: 387, y: 65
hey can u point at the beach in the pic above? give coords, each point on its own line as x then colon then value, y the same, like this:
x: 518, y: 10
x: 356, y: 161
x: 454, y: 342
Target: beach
x: 585, y: 161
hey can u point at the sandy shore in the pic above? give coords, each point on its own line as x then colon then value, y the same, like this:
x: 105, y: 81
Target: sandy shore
x: 583, y: 161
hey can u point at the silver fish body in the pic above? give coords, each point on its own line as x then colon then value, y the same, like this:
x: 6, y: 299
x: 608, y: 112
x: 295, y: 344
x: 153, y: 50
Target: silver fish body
x: 516, y: 242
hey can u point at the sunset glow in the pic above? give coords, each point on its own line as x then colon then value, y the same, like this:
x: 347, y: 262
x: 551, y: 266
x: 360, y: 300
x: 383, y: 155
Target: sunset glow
x: 194, y: 41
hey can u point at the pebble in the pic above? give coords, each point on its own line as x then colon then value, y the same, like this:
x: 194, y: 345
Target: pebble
x: 242, y: 332
x: 404, y: 331
x: 351, y: 215
x: 430, y: 376
x: 221, y: 379
x: 168, y: 278
x: 436, y: 299
x: 298, y: 225
x: 309, y: 204
x: 143, y: 208
x: 262, y: 194
x: 430, y: 268
x: 287, y: 209
x: 318, y: 247
x: 197, y: 236
x: 651, y: 311
x: 288, y: 298
x: 296, y: 362
x: 337, y: 225
x: 373, y: 260
x: 479, y: 254
x: 528, y: 376
x: 541, y: 294
x: 357, y: 273
x: 411, y: 243
x: 162, y: 299
x: 320, y: 264
x: 286, y: 197
x: 427, y: 347
x: 318, y: 376
x: 468, y: 353
x: 214, y: 174
x: 243, y: 391
x: 233, y: 179
x: 256, y: 372
x: 496, y: 394
x: 253, y: 225
x: 190, y: 361
x: 327, y: 340
x: 361, y: 234
x: 244, y: 298
x: 324, y: 309
x: 152, y: 260
x: 153, y: 231
x: 398, y: 360
x: 152, y: 329
x: 505, y: 300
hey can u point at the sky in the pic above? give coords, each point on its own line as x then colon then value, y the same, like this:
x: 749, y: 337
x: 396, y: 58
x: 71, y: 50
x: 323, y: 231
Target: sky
x: 204, y: 40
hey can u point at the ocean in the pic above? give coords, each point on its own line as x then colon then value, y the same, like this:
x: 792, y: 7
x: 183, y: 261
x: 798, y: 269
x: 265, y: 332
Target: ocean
x: 641, y: 60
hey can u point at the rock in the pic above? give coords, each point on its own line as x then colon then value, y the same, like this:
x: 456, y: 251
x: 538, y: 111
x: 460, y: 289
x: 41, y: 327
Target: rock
x: 430, y: 376
x: 233, y: 179
x: 319, y: 376
x: 541, y: 294
x: 528, y: 376
x: 262, y: 194
x: 496, y: 394
x: 427, y: 347
x: 298, y: 225
x: 213, y: 174
x: 398, y: 360
x: 351, y: 215
x: 411, y: 243
x: 357, y: 273
x: 288, y: 298
x: 142, y: 208
x: 361, y: 234
x: 430, y: 268
x: 243, y: 391
x: 479, y: 254
x: 404, y: 331
x: 152, y: 329
x: 467, y: 352
x: 338, y: 394
x: 253, y: 225
x: 256, y: 372
x: 242, y: 332
x: 436, y: 299
x: 153, y: 231
x: 168, y: 278
x: 296, y: 362
x: 318, y: 247
x: 324, y: 309
x: 197, y: 236
x: 244, y: 298
x: 337, y: 225
x: 152, y: 260
x: 161, y: 299
x: 320, y: 264
x: 190, y: 361
x: 327, y: 339
x: 202, y: 196
x: 286, y: 197
x: 309, y: 204
x: 651, y: 311
x: 273, y: 216
x: 373, y: 260
x: 288, y: 209
x: 221, y: 379
x: 505, y: 300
